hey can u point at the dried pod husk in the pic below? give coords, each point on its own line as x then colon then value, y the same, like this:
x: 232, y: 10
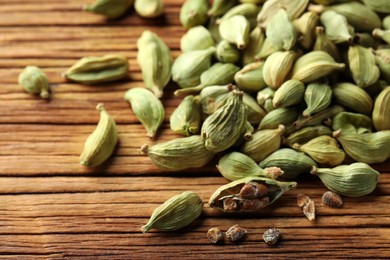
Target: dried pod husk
x: 290, y: 93
x: 276, y: 68
x: 101, y: 143
x: 332, y: 199
x: 147, y: 108
x: 368, y: 147
x: 94, y: 70
x: 248, y: 10
x: 362, y: 66
x: 314, y: 65
x: 218, y: 132
x: 194, y: 13
x: 217, y: 74
x: 232, y: 190
x: 352, y: 123
x: 281, y: 31
x: 196, y: 38
x: 220, y: 7
x: 213, y: 97
x: 380, y: 6
x: 381, y: 112
x: 323, y: 43
x: 294, y: 9
x: 188, y: 67
x: 34, y: 81
x: 354, y: 180
x: 323, y: 149
x: 255, y: 112
x: 236, y: 30
x: 336, y: 27
x: 319, y: 117
x: 227, y: 52
x: 352, y: 97
x: 282, y: 115
x: 177, y: 212
x: 186, y: 119
x: 305, y: 134
x: 318, y: 96
x: 179, y: 154
x: 110, y: 8
x: 155, y: 60
x: 256, y: 39
x: 291, y: 162
x: 149, y: 8
x: 250, y: 77
x: 382, y: 58
x: 235, y: 165
x: 263, y: 143
x: 306, y: 28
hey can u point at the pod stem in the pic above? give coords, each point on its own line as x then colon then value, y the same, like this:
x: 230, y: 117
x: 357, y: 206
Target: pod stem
x: 313, y: 170
x: 186, y: 91
x: 145, y: 149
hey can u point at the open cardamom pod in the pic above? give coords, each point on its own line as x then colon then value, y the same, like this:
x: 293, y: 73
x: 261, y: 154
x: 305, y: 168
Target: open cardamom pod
x: 362, y: 65
x: 34, y: 81
x: 352, y: 123
x: 236, y: 30
x: 276, y: 68
x: 186, y: 119
x: 381, y: 112
x: 196, y: 38
x: 318, y: 96
x: 194, y: 13
x: 352, y: 97
x: 110, y: 8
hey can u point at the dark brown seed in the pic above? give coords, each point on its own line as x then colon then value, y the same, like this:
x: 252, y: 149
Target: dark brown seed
x: 302, y: 200
x: 252, y: 190
x: 229, y: 204
x: 255, y: 204
x: 332, y: 199
x: 272, y: 236
x: 215, y: 235
x: 309, y: 210
x: 236, y: 233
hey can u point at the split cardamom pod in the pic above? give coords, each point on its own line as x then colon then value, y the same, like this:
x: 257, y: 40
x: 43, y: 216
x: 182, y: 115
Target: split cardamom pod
x: 186, y: 119
x: 352, y: 97
x: 34, y: 81
x: 110, y: 8
x: 381, y: 112
x: 318, y: 96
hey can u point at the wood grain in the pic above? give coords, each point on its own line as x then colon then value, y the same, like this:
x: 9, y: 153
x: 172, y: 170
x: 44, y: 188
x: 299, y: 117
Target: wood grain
x: 52, y: 208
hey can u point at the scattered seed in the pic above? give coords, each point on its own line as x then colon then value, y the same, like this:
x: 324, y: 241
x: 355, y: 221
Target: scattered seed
x: 215, y: 235
x: 272, y: 236
x: 236, y: 233
x: 332, y: 199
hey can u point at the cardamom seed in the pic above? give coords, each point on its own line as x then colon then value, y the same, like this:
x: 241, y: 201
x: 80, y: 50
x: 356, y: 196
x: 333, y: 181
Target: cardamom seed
x: 215, y: 235
x: 332, y: 199
x: 250, y: 77
x: 272, y: 236
x: 336, y: 27
x: 290, y: 93
x: 110, y: 8
x: 194, y: 13
x: 236, y: 30
x: 381, y: 112
x: 186, y: 119
x: 236, y: 233
x: 34, y: 81
x: 149, y: 8
x: 276, y: 68
x: 352, y: 97
x: 352, y: 123
x: 318, y: 96
x: 307, y: 205
x: 281, y: 31
x: 306, y: 134
x: 227, y: 53
x: 196, y: 38
x: 362, y: 66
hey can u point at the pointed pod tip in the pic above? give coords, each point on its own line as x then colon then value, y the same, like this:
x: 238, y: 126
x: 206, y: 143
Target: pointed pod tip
x: 84, y: 163
x: 313, y: 170
x: 336, y: 134
x: 145, y: 149
x: 100, y: 107
x: 44, y: 94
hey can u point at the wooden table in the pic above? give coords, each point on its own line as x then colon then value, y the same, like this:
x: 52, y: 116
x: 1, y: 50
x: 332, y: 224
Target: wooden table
x: 51, y: 207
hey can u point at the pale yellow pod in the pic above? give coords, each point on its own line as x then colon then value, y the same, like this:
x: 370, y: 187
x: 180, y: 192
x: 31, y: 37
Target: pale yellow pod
x: 362, y: 64
x: 235, y: 29
x: 149, y: 8
x: 276, y: 68
x: 306, y: 28
x: 381, y: 112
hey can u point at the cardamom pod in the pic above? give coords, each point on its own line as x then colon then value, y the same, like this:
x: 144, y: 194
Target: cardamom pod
x: 34, y: 81
x: 186, y: 119
x: 220, y: 7
x: 367, y: 40
x: 193, y: 13
x: 256, y: 39
x: 218, y: 132
x: 149, y: 8
x: 267, y: 48
x: 352, y: 123
x: 213, y: 97
x: 291, y: 162
x: 386, y: 22
x: 276, y: 68
x: 323, y: 43
x: 290, y: 93
x: 263, y: 143
x: 196, y: 38
x: 255, y: 112
x: 155, y: 61
x: 319, y: 117
x: 265, y: 96
x: 248, y: 10
x: 382, y: 58
x: 101, y: 143
x: 362, y: 65
x: 382, y: 34
x: 236, y: 30
x: 227, y: 52
x: 110, y: 8
x: 323, y: 149
x: 306, y: 28
x: 282, y: 115
x: 250, y: 77
x: 336, y: 27
x: 314, y: 65
x: 380, y: 6
x: 281, y: 31
x: 307, y: 133
x: 250, y: 194
x: 352, y: 97
x: 318, y: 96
x: 179, y: 154
x: 354, y: 180
x: 235, y: 165
x: 94, y: 70
x: 381, y: 112
x: 147, y: 108
x: 175, y: 213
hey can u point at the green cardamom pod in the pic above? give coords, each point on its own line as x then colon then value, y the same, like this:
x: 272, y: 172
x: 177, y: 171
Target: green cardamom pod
x: 352, y: 123
x: 256, y: 39
x: 264, y: 97
x: 362, y: 65
x: 95, y: 70
x: 263, y: 143
x: 282, y: 115
x: 217, y: 74
x: 213, y: 97
x: 290, y: 93
x: 381, y: 112
x: 248, y: 10
x: 250, y: 77
x: 34, y: 81
x: 322, y: 149
x: 177, y: 212
x: 250, y: 194
x: 188, y: 67
x: 354, y: 180
x: 218, y: 132
x: 179, y: 154
x: 368, y: 147
x: 194, y: 13
x: 281, y: 31
x: 380, y: 6
x: 267, y: 48
x: 149, y: 8
x: 255, y: 112
x: 155, y: 61
x: 336, y: 27
x: 101, y: 143
x: 318, y: 96
x: 110, y: 8
x: 367, y: 40
x: 227, y: 52
x: 186, y: 119
x: 276, y: 68
x: 382, y: 34
x: 386, y: 22
x: 147, y: 108
x: 253, y: 1
x: 291, y: 162
x: 352, y: 97
x: 382, y: 58
x: 236, y: 30
x: 220, y: 7
x: 307, y: 133
x: 323, y: 43
x: 196, y: 38
x: 314, y: 65
x: 306, y: 29
x: 235, y: 165
x: 319, y: 117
